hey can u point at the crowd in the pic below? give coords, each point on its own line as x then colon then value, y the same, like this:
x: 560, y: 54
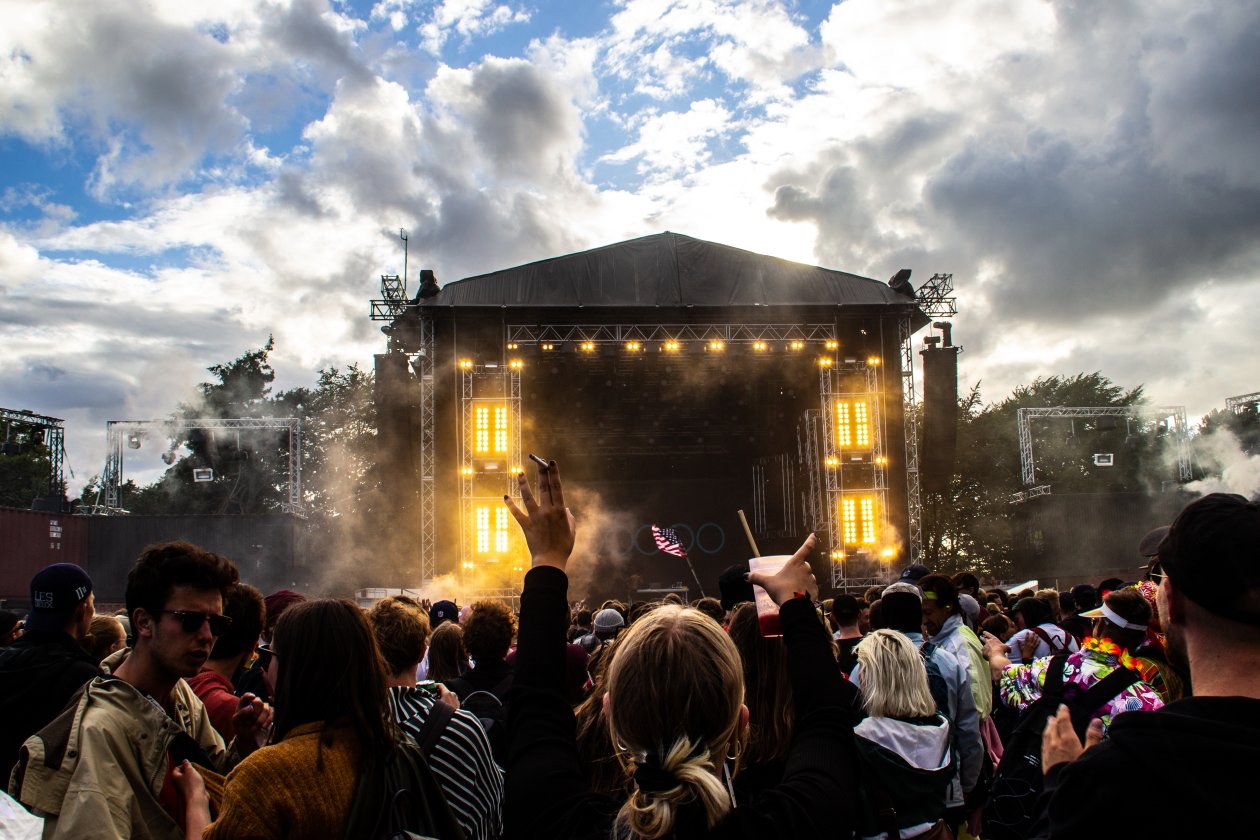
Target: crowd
x: 927, y: 708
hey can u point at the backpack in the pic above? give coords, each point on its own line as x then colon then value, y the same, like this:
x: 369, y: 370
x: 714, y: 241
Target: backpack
x: 399, y: 799
x: 936, y: 681
x: 490, y: 710
x: 1054, y: 646
x: 1011, y: 808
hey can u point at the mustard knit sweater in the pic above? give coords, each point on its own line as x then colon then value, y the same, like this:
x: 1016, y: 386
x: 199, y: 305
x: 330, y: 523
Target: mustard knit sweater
x: 278, y: 792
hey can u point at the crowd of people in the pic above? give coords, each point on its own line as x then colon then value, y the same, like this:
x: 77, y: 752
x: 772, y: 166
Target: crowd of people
x: 928, y: 707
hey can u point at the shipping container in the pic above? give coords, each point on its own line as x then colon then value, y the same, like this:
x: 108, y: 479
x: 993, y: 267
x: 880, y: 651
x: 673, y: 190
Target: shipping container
x: 33, y: 539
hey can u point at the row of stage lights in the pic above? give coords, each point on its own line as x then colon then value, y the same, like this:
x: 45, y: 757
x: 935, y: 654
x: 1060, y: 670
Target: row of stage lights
x: 672, y: 346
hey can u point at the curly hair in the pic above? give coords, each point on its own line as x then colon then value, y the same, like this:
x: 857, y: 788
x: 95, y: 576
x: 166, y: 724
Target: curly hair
x: 488, y: 631
x: 162, y: 567
x: 401, y: 628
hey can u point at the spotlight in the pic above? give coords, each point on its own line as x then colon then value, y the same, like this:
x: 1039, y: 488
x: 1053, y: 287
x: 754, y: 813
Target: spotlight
x: 759, y: 345
x: 633, y: 346
x: 825, y: 361
x: 833, y: 461
x: 872, y: 361
x: 882, y: 459
x: 513, y: 345
x: 549, y: 347
x: 466, y: 471
x: 837, y: 554
x: 796, y: 345
x: 465, y: 364
x: 133, y: 441
x: 516, y: 364
x: 716, y: 346
x: 888, y: 553
x: 832, y: 345
x: 671, y: 346
x: 588, y: 347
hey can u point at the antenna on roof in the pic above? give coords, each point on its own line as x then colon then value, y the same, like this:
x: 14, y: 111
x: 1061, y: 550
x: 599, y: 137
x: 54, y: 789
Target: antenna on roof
x: 402, y: 234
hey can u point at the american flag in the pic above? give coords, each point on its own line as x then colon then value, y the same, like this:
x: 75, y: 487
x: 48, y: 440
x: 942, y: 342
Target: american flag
x: 667, y: 541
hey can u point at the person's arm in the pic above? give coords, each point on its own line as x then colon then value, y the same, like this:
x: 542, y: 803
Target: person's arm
x: 967, y: 724
x: 196, y: 801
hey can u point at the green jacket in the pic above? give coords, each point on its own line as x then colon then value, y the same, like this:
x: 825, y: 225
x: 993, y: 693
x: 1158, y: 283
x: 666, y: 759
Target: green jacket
x: 97, y: 770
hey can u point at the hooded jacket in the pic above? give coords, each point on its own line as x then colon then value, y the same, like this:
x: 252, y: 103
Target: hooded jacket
x: 98, y: 769
x: 911, y: 762
x: 1193, y: 762
x: 960, y: 640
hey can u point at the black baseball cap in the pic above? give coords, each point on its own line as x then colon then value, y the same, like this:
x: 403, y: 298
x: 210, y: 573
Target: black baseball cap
x: 443, y: 611
x: 1209, y: 554
x: 56, y: 591
x: 914, y: 572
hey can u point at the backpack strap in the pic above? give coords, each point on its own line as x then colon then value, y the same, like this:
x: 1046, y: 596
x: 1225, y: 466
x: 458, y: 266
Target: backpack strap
x: 927, y: 650
x: 440, y: 715
x: 1101, y: 692
x: 1055, y: 647
x: 1054, y: 686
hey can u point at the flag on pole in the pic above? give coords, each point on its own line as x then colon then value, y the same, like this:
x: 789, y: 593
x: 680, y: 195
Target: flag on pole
x: 667, y: 541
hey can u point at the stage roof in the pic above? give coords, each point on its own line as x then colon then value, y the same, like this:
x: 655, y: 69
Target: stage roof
x: 666, y: 269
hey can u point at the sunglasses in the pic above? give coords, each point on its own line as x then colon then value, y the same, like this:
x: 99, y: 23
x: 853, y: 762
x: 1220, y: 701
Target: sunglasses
x: 192, y: 621
x: 266, y: 650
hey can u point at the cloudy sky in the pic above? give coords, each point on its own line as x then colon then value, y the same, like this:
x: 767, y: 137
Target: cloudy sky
x: 178, y: 180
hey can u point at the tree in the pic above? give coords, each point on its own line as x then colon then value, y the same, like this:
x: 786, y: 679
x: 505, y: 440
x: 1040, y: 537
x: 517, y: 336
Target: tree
x: 25, y: 465
x: 972, y: 527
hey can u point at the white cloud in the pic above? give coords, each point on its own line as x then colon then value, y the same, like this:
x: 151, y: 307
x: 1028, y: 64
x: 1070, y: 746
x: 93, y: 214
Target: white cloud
x: 468, y: 19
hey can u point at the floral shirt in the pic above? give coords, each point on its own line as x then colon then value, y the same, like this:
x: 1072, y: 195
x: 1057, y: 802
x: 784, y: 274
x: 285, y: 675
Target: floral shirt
x: 1020, y: 685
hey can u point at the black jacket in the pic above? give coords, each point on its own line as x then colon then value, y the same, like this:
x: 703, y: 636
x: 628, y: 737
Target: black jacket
x: 39, y: 674
x: 1193, y: 763
x: 548, y: 794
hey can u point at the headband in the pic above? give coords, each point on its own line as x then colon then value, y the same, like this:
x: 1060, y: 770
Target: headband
x: 1116, y: 619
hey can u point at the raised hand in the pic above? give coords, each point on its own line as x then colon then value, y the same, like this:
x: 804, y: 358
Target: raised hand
x: 252, y: 722
x: 1059, y: 742
x: 548, y: 525
x: 795, y: 578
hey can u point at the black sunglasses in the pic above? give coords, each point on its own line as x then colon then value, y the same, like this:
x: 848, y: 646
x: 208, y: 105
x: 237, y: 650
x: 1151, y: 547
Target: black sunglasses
x: 192, y: 621
x: 266, y: 650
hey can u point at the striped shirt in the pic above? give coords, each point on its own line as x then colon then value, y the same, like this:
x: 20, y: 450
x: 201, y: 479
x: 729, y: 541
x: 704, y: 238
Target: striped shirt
x: 461, y: 761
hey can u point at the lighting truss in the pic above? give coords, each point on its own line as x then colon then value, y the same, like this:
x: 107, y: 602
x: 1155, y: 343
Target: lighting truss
x: 1031, y: 493
x: 54, y: 440
x: 1236, y: 404
x: 682, y: 333
x: 936, y: 297
x: 910, y: 420
x: 116, y: 432
x: 422, y: 364
x: 1176, y: 413
x: 394, y: 298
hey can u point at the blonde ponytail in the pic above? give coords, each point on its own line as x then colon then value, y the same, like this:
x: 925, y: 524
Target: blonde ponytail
x: 653, y: 812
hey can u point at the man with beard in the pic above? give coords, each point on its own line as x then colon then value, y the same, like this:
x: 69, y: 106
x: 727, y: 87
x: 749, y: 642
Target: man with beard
x: 106, y: 766
x: 1198, y: 756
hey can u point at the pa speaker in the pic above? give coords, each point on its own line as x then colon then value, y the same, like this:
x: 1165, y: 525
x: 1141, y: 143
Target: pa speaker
x: 940, y: 418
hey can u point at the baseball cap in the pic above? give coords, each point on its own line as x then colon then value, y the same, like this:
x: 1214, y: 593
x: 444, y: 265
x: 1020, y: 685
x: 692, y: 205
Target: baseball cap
x: 914, y: 572
x: 1148, y: 546
x: 443, y: 611
x: 1209, y: 555
x: 902, y: 586
x: 56, y: 591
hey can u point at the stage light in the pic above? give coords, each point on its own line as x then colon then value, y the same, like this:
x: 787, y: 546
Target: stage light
x: 588, y: 346
x: 516, y: 364
x: 857, y: 520
x: 716, y: 346
x: 467, y: 565
x: 633, y: 346
x: 832, y: 345
x: 867, y: 509
x: 488, y: 419
x: 837, y: 554
x: 466, y: 471
x: 549, y: 347
x: 759, y: 345
x: 882, y: 459
x: 848, y: 520
x: 796, y: 345
x: 888, y: 553
x: 513, y: 345
x: 465, y: 364
x: 873, y: 361
x: 833, y: 461
x: 133, y: 441
x: 670, y: 346
x: 824, y: 361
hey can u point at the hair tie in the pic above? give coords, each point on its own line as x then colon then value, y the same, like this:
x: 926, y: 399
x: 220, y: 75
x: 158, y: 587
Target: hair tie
x: 652, y: 778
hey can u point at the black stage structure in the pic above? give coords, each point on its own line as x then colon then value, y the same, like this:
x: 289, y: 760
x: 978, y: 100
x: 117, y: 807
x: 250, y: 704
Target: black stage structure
x: 677, y: 381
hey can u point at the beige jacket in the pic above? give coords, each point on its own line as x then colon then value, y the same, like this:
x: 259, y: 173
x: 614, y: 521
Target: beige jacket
x: 97, y: 770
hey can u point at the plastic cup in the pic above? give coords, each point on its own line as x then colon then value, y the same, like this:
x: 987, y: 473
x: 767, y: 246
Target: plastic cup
x: 767, y: 609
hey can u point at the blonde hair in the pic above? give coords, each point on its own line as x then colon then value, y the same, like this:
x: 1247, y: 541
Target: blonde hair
x: 894, y: 677
x: 676, y: 687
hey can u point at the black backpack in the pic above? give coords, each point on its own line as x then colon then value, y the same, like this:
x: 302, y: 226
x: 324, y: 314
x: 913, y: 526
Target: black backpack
x: 1011, y: 808
x: 489, y: 709
x: 399, y: 798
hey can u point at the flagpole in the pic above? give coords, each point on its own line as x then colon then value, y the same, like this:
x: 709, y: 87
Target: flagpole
x: 694, y: 575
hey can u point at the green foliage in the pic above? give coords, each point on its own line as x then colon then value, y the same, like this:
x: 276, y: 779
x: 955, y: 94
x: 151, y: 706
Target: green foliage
x: 24, y: 475
x: 974, y: 527
x: 1243, y: 424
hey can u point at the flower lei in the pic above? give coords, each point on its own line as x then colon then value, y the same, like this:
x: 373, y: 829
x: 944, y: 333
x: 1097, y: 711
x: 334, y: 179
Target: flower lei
x: 1109, y: 648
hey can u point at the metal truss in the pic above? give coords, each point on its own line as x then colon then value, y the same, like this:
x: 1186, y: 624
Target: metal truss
x: 422, y: 364
x: 505, y: 382
x: 54, y: 441
x: 682, y: 333
x: 910, y: 421
x: 783, y: 464
x: 1238, y: 403
x: 1031, y: 493
x: 1175, y: 413
x: 936, y: 297
x: 115, y: 430
x: 807, y: 455
x: 393, y: 302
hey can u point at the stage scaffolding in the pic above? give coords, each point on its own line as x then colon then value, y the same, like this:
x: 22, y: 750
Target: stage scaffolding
x: 54, y: 432
x: 1172, y: 416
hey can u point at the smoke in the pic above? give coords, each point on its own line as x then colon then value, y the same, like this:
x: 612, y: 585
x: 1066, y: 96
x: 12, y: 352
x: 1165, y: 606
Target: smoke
x: 601, y: 552
x: 1231, y: 470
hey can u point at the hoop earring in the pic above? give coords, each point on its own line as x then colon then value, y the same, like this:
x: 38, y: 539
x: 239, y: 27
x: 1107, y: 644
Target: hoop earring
x: 738, y: 750
x: 620, y: 746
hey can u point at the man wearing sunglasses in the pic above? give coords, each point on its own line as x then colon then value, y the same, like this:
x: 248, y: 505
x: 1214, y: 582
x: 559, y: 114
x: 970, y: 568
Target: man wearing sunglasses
x: 104, y: 767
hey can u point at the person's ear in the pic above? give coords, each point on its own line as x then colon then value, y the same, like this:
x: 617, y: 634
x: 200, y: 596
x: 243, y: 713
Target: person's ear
x: 142, y: 623
x: 607, y: 706
x: 743, y: 719
x: 1175, y: 603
